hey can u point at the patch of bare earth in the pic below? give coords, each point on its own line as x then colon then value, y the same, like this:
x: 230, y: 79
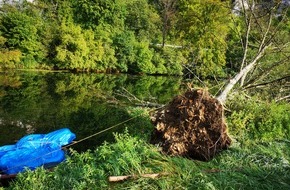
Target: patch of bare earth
x: 191, y: 125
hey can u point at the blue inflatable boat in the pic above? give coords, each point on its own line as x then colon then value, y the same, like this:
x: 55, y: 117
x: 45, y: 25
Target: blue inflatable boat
x: 35, y: 150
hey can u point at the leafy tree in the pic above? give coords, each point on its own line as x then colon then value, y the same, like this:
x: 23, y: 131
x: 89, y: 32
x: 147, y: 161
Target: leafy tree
x: 77, y: 49
x: 168, y: 12
x: 168, y: 61
x: 142, y: 18
x: 143, y: 63
x: 159, y: 63
x: 133, y: 56
x: 124, y: 44
x: 21, y: 32
x: 8, y: 58
x: 91, y: 14
x: 203, y: 27
x: 174, y: 61
x: 108, y: 60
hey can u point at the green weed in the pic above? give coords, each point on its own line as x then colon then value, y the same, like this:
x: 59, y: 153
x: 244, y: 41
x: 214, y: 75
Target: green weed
x: 259, y: 121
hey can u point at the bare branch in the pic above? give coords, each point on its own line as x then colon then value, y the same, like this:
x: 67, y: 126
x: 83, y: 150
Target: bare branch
x: 283, y: 98
x: 266, y: 71
x: 135, y: 100
x: 266, y: 83
x: 263, y: 43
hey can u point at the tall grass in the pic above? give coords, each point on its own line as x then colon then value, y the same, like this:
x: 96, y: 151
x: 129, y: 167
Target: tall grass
x: 260, y: 166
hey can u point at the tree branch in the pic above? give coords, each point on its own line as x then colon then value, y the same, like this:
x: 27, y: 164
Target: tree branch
x: 283, y: 98
x: 261, y: 46
x: 266, y: 83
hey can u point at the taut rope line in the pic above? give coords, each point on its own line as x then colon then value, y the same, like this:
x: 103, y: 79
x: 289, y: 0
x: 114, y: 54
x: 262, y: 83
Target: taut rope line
x: 100, y: 132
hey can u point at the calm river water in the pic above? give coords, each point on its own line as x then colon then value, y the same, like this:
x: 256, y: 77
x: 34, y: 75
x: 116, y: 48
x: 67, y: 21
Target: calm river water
x: 40, y: 102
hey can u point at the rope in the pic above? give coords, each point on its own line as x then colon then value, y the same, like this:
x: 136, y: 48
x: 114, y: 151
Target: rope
x: 100, y: 132
x: 107, y: 129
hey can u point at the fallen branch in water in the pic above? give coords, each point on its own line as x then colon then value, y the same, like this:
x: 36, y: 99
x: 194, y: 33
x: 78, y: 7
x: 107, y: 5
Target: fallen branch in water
x: 135, y: 100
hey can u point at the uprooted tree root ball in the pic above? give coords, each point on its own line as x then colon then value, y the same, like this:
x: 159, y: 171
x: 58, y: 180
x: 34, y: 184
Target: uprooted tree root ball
x: 191, y: 125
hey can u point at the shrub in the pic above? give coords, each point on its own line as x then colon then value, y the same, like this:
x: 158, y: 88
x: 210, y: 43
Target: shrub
x: 21, y: 33
x: 260, y: 121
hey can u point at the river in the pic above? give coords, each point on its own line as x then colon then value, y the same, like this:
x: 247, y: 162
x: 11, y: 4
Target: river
x: 40, y: 102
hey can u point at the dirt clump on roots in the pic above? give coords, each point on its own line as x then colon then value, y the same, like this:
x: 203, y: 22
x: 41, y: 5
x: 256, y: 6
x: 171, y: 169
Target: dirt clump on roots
x: 191, y: 125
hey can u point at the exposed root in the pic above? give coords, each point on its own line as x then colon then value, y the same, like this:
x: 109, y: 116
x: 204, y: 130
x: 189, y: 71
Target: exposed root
x: 191, y: 125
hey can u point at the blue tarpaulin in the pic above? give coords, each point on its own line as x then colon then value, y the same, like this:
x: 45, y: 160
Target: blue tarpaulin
x: 35, y: 150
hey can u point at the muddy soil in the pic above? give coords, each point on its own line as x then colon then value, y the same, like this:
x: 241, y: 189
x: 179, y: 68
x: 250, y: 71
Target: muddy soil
x: 191, y: 125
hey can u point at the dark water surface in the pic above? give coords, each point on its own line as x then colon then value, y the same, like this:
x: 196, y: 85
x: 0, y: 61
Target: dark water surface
x: 40, y: 102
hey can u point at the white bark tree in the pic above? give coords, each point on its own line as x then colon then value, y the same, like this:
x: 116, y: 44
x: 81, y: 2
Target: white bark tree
x: 263, y: 25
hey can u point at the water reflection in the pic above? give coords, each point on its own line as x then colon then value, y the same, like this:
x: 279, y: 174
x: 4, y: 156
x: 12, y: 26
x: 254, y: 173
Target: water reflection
x: 39, y: 102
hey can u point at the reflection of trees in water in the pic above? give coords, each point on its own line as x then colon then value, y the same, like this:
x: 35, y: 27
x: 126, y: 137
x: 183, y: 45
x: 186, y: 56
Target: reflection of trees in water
x: 157, y: 89
x: 49, y: 101
x: 8, y: 80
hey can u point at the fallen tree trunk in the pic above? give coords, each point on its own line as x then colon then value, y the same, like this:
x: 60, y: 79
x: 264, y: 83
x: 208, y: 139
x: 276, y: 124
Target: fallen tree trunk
x: 223, y: 95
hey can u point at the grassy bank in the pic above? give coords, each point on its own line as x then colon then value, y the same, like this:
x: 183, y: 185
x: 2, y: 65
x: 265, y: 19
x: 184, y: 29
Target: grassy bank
x: 257, y: 159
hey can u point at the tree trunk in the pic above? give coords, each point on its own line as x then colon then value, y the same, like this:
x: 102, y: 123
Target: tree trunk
x: 223, y: 95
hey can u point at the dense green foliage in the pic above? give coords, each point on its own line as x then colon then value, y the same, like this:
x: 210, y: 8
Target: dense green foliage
x: 204, y: 37
x: 260, y: 121
x: 20, y: 30
x: 112, y: 36
x: 8, y: 58
x: 203, y: 27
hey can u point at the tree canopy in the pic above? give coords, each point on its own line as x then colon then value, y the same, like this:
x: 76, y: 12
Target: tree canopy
x: 207, y: 39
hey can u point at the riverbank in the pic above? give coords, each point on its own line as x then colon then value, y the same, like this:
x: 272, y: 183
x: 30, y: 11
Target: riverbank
x: 256, y: 166
x: 256, y: 160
